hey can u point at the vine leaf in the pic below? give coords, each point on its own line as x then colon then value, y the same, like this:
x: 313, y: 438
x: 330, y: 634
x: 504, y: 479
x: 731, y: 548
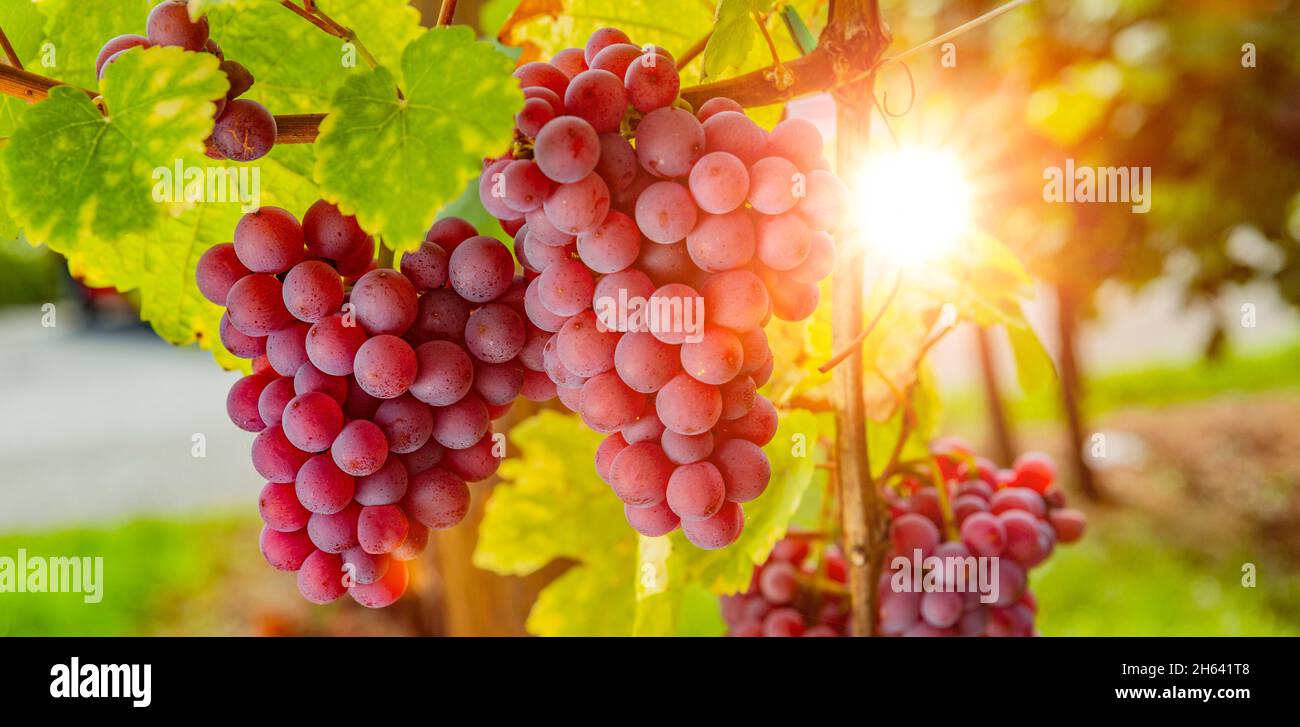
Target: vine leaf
x: 1034, y: 367
x: 203, y: 7
x: 88, y: 175
x: 22, y: 23
x: 77, y: 30
x: 393, y: 162
x: 298, y: 67
x: 734, y: 33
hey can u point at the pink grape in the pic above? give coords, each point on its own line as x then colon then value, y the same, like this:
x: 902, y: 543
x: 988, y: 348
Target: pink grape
x: 360, y: 448
x: 445, y: 373
x: 651, y: 83
x: 385, y: 591
x: 538, y: 314
x: 783, y: 241
x: 406, y: 422
x: 245, y: 131
x: 616, y: 58
x: 606, y: 451
x: 719, y: 531
x: 331, y: 234
x: 608, y: 404
x: 332, y: 345
x: 381, y: 528
x: 719, y: 182
x: 826, y: 201
x: 335, y: 532
x: 449, y: 232
x: 280, y: 509
x: 665, y: 212
x: 611, y: 246
x: 426, y: 457
x: 735, y: 133
x: 217, y: 271
x: 535, y: 114
x: 715, y: 359
x: 461, y: 424
x: 639, y: 474
x: 238, y: 343
x: 578, y: 206
x: 365, y: 568
x: 540, y: 228
x: 688, y: 406
x: 565, y: 288
x: 820, y: 260
x: 772, y: 185
x: 286, y: 349
x: 542, y: 74
x: 644, y: 362
x: 241, y: 402
x: 525, y: 185
x: 597, y: 97
x: 675, y: 312
x: 322, y: 487
x: 618, y: 165
x: 669, y: 141
x: 716, y: 106
x: 491, y: 190
x: 312, y: 421
x: 758, y: 425
x: 494, y: 333
x: 426, y: 268
x: 567, y: 149
x: 615, y: 293
x: 652, y: 521
x: 170, y: 24
x: 583, y: 348
x: 441, y: 314
x: 797, y: 140
x: 308, y: 378
x: 601, y: 39
x: 722, y: 242
x: 498, y: 384
x: 274, y: 456
x: 744, y: 467
x: 696, y: 491
x: 273, y: 399
x: 1068, y: 524
x: 474, y: 463
x: 255, y: 305
x: 736, y: 299
x: 984, y: 534
x: 645, y: 428
x: 437, y: 499
x: 738, y: 396
x: 285, y: 551
x: 385, y: 302
x: 1018, y: 498
x: 117, y: 45
x: 779, y: 583
x: 785, y: 622
x: 666, y: 264
x: 795, y: 301
x: 910, y: 532
x: 320, y: 578
x: 570, y: 61
x: 686, y: 448
x: 312, y: 290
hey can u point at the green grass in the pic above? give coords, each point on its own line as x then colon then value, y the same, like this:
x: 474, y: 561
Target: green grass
x: 149, y: 566
x: 1119, y: 581
x: 1155, y: 385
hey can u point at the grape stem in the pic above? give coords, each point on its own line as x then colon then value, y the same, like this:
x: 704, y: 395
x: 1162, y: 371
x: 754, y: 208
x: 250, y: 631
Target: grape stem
x: 779, y: 74
x: 10, y: 53
x: 855, y: 345
x: 446, y: 12
x: 310, y: 12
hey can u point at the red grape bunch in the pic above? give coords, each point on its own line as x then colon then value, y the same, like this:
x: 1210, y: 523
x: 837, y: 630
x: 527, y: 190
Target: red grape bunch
x: 658, y: 242
x: 1015, y: 516
x: 373, y: 390
x: 244, y: 129
x: 789, y: 596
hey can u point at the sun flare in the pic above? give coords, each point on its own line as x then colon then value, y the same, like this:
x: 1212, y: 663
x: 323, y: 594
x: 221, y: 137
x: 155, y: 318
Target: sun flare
x: 914, y: 204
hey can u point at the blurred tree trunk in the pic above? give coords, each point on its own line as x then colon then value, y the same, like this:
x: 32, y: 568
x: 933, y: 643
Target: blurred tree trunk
x: 1067, y: 322
x: 1003, y: 441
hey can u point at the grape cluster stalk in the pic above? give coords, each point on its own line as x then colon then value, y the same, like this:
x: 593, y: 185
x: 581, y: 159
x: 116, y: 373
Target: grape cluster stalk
x: 658, y: 241
x: 243, y: 130
x: 373, y: 390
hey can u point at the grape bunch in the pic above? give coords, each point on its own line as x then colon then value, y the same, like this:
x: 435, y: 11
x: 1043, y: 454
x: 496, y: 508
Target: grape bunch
x: 243, y: 130
x: 790, y: 596
x: 657, y: 243
x: 373, y: 390
x: 1016, y: 516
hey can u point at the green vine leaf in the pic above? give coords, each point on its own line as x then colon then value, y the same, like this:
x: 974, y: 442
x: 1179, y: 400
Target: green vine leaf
x: 734, y: 34
x: 205, y: 7
x: 90, y: 175
x: 77, y: 30
x: 394, y: 162
x: 23, y: 25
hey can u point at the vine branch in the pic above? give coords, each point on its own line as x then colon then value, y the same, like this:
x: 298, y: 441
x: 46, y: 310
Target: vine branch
x: 10, y: 53
x: 312, y: 13
x: 446, y: 12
